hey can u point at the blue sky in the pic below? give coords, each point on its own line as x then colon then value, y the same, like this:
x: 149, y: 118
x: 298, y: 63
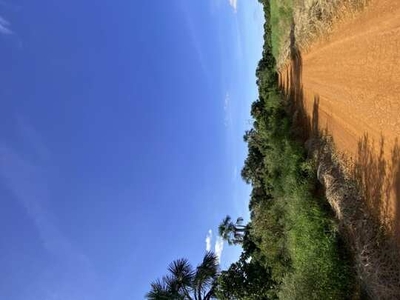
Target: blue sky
x: 121, y: 139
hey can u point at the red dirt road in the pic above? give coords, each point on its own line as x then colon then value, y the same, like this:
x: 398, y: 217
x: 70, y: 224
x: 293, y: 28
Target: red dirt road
x: 350, y: 85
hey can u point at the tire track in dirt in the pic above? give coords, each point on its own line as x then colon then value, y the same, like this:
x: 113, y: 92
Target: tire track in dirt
x: 349, y: 85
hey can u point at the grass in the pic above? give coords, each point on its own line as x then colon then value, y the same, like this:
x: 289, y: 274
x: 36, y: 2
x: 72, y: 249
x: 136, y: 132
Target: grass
x: 320, y: 270
x: 281, y: 20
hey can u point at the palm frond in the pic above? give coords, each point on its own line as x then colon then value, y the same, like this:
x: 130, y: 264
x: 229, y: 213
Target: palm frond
x: 225, y: 226
x: 182, y: 272
x: 206, y: 272
x: 159, y: 291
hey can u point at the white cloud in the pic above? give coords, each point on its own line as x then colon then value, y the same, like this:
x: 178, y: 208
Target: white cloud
x: 227, y: 110
x: 239, y: 44
x: 226, y: 102
x: 4, y: 22
x: 208, y: 240
x: 28, y: 182
x: 4, y: 26
x: 217, y: 4
x: 193, y: 32
x: 219, y: 247
x: 233, y: 4
x: 235, y: 173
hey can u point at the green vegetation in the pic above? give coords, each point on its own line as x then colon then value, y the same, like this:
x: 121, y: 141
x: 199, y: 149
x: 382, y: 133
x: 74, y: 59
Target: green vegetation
x: 281, y: 20
x: 291, y: 246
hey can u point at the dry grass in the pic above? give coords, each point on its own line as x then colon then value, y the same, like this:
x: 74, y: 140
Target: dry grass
x: 314, y: 19
x: 375, y: 252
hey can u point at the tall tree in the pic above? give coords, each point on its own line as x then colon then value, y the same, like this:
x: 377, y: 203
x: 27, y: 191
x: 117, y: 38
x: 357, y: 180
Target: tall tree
x: 185, y: 283
x: 231, y: 232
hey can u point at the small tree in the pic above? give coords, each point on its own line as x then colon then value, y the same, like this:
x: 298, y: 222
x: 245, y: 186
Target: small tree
x: 231, y: 232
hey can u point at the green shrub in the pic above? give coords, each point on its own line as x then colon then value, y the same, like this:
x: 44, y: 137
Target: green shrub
x: 281, y: 20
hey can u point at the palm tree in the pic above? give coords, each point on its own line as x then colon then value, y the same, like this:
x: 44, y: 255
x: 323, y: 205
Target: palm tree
x: 185, y: 283
x: 231, y: 232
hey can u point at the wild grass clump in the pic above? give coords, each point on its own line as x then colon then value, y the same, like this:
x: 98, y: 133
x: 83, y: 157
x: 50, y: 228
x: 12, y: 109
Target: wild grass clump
x: 321, y: 270
x: 315, y: 18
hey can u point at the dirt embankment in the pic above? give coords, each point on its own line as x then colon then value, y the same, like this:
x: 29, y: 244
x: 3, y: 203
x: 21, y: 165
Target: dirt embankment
x: 349, y: 85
